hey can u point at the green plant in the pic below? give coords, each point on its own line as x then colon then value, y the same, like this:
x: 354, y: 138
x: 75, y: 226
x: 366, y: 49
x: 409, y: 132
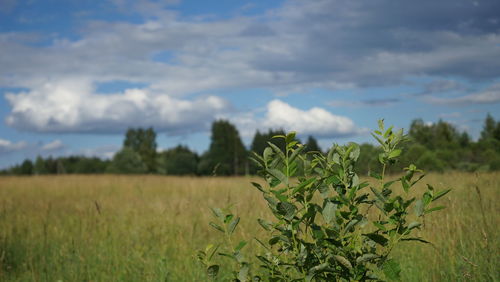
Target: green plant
x: 328, y: 225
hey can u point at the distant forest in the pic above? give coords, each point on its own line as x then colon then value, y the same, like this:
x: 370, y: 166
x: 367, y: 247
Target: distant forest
x: 433, y: 147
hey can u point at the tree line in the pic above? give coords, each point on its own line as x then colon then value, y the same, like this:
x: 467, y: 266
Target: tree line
x: 434, y: 147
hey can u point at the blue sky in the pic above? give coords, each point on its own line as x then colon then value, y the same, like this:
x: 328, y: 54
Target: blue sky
x: 75, y: 75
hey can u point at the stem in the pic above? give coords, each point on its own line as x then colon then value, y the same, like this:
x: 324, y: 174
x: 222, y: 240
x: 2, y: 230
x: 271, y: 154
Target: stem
x: 382, y: 177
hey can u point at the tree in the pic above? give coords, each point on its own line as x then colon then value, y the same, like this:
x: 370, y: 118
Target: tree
x: 464, y: 140
x: 312, y: 145
x: 26, y: 167
x: 179, y: 161
x: 226, y: 155
x: 143, y: 142
x: 127, y: 161
x: 260, y: 140
x: 488, y: 128
x: 40, y: 167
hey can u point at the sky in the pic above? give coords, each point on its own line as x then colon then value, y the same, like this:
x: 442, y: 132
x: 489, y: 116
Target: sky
x: 75, y: 74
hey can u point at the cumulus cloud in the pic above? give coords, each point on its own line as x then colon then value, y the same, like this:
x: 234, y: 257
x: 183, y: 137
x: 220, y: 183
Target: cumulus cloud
x: 315, y: 121
x: 280, y: 115
x: 7, y: 146
x: 321, y: 43
x: 299, y: 46
x: 71, y: 106
x: 490, y: 95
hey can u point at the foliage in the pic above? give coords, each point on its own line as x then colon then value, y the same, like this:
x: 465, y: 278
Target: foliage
x: 323, y: 227
x: 127, y: 161
x: 312, y: 145
x: 227, y: 154
x: 432, y: 146
x: 143, y: 142
x: 178, y: 161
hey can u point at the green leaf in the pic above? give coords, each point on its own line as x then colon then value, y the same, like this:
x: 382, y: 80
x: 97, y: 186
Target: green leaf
x: 242, y: 275
x: 278, y: 174
x: 378, y: 139
x: 414, y: 225
x: 216, y: 226
x: 240, y: 245
x: 375, y: 175
x: 277, y: 150
x: 343, y: 261
x: 265, y: 224
x: 366, y: 257
x: 261, y: 243
x: 426, y: 198
x: 388, y: 184
x: 212, y: 271
x: 272, y: 202
x: 258, y: 186
x: 388, y: 132
x: 354, y: 154
x: 419, y: 208
x: 287, y: 210
x: 228, y: 218
x: 379, y: 226
x: 394, y: 154
x: 323, y: 190
x: 218, y: 213
x: 329, y: 212
x: 434, y: 209
x: 274, y: 240
x: 303, y: 185
x: 392, y: 269
x: 290, y: 137
x: 379, y: 196
x: 296, y: 153
x: 213, y: 252
x: 350, y: 225
x: 416, y: 239
x: 381, y: 124
x: 440, y: 194
x: 377, y: 238
x: 232, y: 225
x: 268, y: 152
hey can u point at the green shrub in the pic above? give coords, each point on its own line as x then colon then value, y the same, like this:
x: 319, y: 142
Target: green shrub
x: 325, y: 227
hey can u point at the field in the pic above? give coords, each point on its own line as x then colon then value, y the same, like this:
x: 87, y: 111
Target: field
x: 148, y: 228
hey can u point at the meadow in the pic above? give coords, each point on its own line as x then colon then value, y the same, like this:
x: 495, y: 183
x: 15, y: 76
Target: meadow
x: 148, y: 228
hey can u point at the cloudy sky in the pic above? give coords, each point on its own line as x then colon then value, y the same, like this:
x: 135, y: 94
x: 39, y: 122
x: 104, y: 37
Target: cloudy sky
x: 75, y: 74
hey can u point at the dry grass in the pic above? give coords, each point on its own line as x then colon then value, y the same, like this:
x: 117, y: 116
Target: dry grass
x: 139, y: 228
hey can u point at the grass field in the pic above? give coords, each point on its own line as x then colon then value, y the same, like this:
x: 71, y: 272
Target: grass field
x: 148, y: 228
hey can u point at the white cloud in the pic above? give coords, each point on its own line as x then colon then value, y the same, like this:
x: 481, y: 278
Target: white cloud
x: 299, y: 46
x: 280, y: 115
x: 315, y: 121
x: 55, y: 145
x: 71, y: 106
x: 7, y: 146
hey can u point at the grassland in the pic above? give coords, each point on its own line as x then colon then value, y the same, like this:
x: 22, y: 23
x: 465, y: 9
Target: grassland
x: 147, y: 228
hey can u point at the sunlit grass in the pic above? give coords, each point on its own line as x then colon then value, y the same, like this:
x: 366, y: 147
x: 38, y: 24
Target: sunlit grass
x: 147, y: 228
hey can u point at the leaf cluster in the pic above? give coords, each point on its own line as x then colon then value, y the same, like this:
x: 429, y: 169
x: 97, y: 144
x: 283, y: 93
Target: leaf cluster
x: 329, y: 225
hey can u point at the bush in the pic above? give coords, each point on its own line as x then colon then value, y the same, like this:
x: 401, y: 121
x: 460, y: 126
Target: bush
x: 335, y: 238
